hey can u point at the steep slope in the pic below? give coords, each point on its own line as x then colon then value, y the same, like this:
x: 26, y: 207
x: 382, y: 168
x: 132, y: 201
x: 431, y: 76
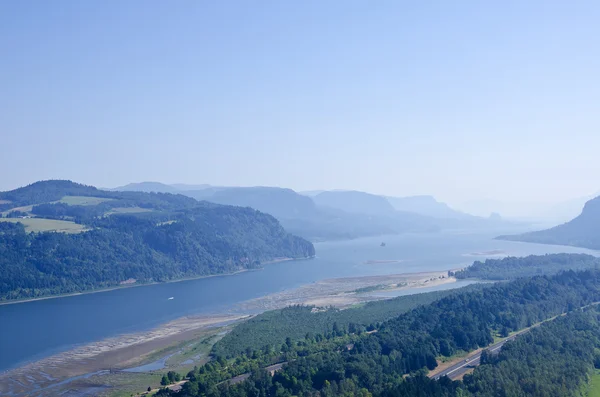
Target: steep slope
x: 299, y: 214
x: 355, y: 202
x: 427, y: 205
x: 279, y: 202
x: 583, y: 231
x: 175, y: 237
x: 147, y: 187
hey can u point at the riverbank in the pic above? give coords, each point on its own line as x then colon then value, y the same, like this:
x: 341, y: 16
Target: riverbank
x: 133, y: 285
x: 121, y: 286
x: 109, y: 355
x: 347, y: 291
x: 126, y: 351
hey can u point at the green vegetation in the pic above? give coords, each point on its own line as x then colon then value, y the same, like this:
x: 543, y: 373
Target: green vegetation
x: 169, y: 378
x: 46, y: 225
x: 511, y: 267
x: 553, y: 359
x: 298, y: 322
x: 127, y: 210
x: 205, y: 239
x: 83, y: 200
x: 594, y: 388
x: 583, y: 231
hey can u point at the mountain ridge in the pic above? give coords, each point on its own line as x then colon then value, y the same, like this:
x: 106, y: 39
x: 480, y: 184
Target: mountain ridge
x: 582, y: 231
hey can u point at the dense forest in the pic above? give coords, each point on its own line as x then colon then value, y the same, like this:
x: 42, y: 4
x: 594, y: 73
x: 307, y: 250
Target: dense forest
x: 533, y: 265
x: 583, y: 231
x: 54, y: 190
x: 360, y: 363
x: 554, y: 359
x: 179, y: 238
x: 296, y: 322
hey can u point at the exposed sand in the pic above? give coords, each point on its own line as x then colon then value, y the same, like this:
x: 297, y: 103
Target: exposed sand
x: 113, y: 353
x: 129, y: 350
x: 340, y: 292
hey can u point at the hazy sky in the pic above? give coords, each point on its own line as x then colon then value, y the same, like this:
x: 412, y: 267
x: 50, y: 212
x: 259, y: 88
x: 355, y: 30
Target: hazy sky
x: 458, y: 99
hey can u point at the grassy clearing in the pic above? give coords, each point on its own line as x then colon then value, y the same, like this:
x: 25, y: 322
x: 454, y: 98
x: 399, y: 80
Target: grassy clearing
x: 82, y: 200
x: 70, y: 200
x: 594, y: 390
x: 26, y: 209
x: 47, y: 225
x: 127, y: 210
x: 125, y: 384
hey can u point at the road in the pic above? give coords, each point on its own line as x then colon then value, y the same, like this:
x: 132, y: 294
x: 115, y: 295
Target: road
x: 271, y: 369
x: 471, y: 361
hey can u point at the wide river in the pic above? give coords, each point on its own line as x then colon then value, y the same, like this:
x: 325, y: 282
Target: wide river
x: 34, y: 330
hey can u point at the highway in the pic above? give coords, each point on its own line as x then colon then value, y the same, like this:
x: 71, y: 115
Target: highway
x: 470, y: 361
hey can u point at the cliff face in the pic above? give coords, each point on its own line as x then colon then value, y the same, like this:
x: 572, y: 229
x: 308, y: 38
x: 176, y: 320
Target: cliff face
x: 583, y: 231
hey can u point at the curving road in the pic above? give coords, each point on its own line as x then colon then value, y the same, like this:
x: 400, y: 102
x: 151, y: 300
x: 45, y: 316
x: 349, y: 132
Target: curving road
x: 471, y: 361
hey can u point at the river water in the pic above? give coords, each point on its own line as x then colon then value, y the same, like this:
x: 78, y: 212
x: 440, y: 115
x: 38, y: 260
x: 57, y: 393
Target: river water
x: 34, y: 330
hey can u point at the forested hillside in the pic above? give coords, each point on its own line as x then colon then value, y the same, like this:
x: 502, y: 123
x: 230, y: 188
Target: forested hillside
x: 343, y: 362
x: 583, y: 231
x: 533, y: 265
x: 298, y: 322
x: 171, y: 237
x: 554, y: 359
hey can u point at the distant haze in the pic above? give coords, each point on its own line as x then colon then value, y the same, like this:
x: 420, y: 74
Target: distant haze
x: 464, y: 101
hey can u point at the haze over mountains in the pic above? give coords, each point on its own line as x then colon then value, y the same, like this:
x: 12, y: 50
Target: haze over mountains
x: 583, y: 231
x: 549, y: 213
x: 321, y: 215
x: 62, y: 237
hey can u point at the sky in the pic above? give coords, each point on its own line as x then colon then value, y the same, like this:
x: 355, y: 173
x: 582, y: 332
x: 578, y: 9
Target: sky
x: 463, y: 100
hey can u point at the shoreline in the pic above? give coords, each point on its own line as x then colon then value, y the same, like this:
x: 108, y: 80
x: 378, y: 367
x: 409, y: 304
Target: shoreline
x: 100, y: 359
x: 123, y: 286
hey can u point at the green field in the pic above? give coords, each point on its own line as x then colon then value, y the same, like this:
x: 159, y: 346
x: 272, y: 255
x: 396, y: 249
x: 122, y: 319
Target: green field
x: 70, y: 200
x: 47, y: 225
x: 26, y: 209
x: 127, y: 210
x: 594, y: 390
x: 82, y: 200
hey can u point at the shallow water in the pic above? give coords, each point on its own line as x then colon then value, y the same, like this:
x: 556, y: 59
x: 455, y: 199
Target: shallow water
x: 35, y: 330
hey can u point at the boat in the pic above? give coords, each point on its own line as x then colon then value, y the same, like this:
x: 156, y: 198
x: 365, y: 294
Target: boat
x: 383, y: 244
x: 171, y: 298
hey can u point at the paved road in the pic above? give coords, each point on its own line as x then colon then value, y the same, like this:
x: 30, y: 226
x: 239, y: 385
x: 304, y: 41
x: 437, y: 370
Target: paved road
x: 471, y: 361
x: 271, y: 369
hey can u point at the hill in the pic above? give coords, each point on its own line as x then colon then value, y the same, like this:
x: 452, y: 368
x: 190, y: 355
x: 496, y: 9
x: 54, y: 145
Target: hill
x: 355, y: 202
x: 583, y: 231
x: 147, y: 187
x: 279, y: 202
x: 158, y: 187
x: 129, y: 237
x: 427, y: 205
x: 300, y: 214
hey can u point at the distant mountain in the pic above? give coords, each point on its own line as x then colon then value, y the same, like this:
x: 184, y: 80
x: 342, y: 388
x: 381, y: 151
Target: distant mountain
x: 355, y: 202
x: 187, y: 187
x: 147, y: 187
x: 279, y: 202
x: 427, y: 205
x: 107, y: 238
x: 299, y: 214
x: 583, y: 231
x: 158, y: 187
x: 565, y: 210
x: 311, y: 193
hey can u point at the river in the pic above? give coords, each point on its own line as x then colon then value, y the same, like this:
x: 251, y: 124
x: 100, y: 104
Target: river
x: 37, y: 329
